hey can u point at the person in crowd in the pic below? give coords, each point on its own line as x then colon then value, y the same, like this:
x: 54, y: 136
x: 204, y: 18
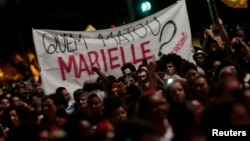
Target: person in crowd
x: 161, y: 74
x: 199, y: 109
x: 173, y: 63
x: 178, y: 91
x: 135, y: 129
x: 229, y: 69
x: 21, y: 125
x: 105, y: 131
x: 16, y: 99
x: 204, y: 89
x: 4, y: 101
x: 66, y: 97
x: 142, y: 75
x: 228, y: 87
x: 54, y: 115
x: 213, y: 65
x: 143, y: 65
x: 112, y: 88
x: 200, y: 58
x: 190, y: 71
x: 80, y: 100
x: 38, y: 90
x: 114, y: 109
x: 129, y: 73
x: 8, y: 94
x: 224, y: 113
x: 94, y: 96
x: 43, y: 134
x: 242, y: 31
x: 242, y: 55
x: 183, y: 120
x: 153, y: 107
x: 22, y: 88
x: 128, y: 68
x: 209, y: 43
x: 122, y: 86
x: 80, y: 126
x: 102, y: 79
x: 132, y: 96
x: 2, y: 135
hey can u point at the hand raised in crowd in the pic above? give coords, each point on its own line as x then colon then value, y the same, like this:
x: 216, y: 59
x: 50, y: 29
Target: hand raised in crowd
x: 219, y: 22
x: 235, y: 40
x: 153, y: 76
x: 95, y: 68
x: 152, y: 67
x: 241, y: 42
x: 208, y: 33
x: 238, y: 40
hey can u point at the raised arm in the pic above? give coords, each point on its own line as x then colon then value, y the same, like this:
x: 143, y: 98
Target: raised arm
x: 152, y: 74
x: 245, y: 48
x: 103, y: 77
x: 224, y: 34
x: 208, y: 33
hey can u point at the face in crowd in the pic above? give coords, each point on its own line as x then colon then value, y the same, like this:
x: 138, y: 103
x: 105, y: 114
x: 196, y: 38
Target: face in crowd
x: 170, y: 69
x: 202, y: 87
x: 142, y: 75
x: 177, y: 92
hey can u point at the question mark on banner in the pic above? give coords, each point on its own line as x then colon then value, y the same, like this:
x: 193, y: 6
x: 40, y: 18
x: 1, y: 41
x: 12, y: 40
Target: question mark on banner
x: 162, y: 33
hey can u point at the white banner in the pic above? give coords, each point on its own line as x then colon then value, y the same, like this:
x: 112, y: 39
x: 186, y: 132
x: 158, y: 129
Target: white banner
x: 66, y: 57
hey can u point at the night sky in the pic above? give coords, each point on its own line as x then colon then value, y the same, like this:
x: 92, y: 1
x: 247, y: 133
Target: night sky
x: 18, y: 17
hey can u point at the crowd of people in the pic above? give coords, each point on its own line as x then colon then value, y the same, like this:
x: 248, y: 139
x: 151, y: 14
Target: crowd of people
x: 169, y: 99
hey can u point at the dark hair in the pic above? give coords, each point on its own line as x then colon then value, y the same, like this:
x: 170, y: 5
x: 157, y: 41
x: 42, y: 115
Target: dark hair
x: 143, y: 64
x: 91, y: 86
x: 111, y: 78
x: 16, y: 94
x: 128, y: 65
x: 209, y: 42
x: 77, y: 93
x: 176, y: 115
x: 173, y: 58
x: 211, y: 84
x: 188, y: 66
x: 225, y: 63
x: 4, y: 97
x: 217, y: 114
x: 59, y: 92
x: 133, y: 129
x: 58, y: 101
x: 144, y: 104
x: 160, y: 66
x: 244, y: 27
x: 110, y: 104
x: 23, y: 114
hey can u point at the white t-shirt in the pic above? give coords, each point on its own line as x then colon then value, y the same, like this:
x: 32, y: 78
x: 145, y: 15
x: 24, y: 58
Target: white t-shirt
x: 168, y: 136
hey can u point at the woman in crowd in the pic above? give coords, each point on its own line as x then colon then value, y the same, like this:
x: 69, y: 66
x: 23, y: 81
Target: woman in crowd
x: 115, y: 110
x: 54, y: 114
x: 153, y: 107
x: 80, y: 100
x: 20, y: 124
x: 94, y: 96
x: 203, y: 89
x: 177, y: 91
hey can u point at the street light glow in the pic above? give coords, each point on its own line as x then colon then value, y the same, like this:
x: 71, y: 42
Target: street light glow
x: 146, y: 6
